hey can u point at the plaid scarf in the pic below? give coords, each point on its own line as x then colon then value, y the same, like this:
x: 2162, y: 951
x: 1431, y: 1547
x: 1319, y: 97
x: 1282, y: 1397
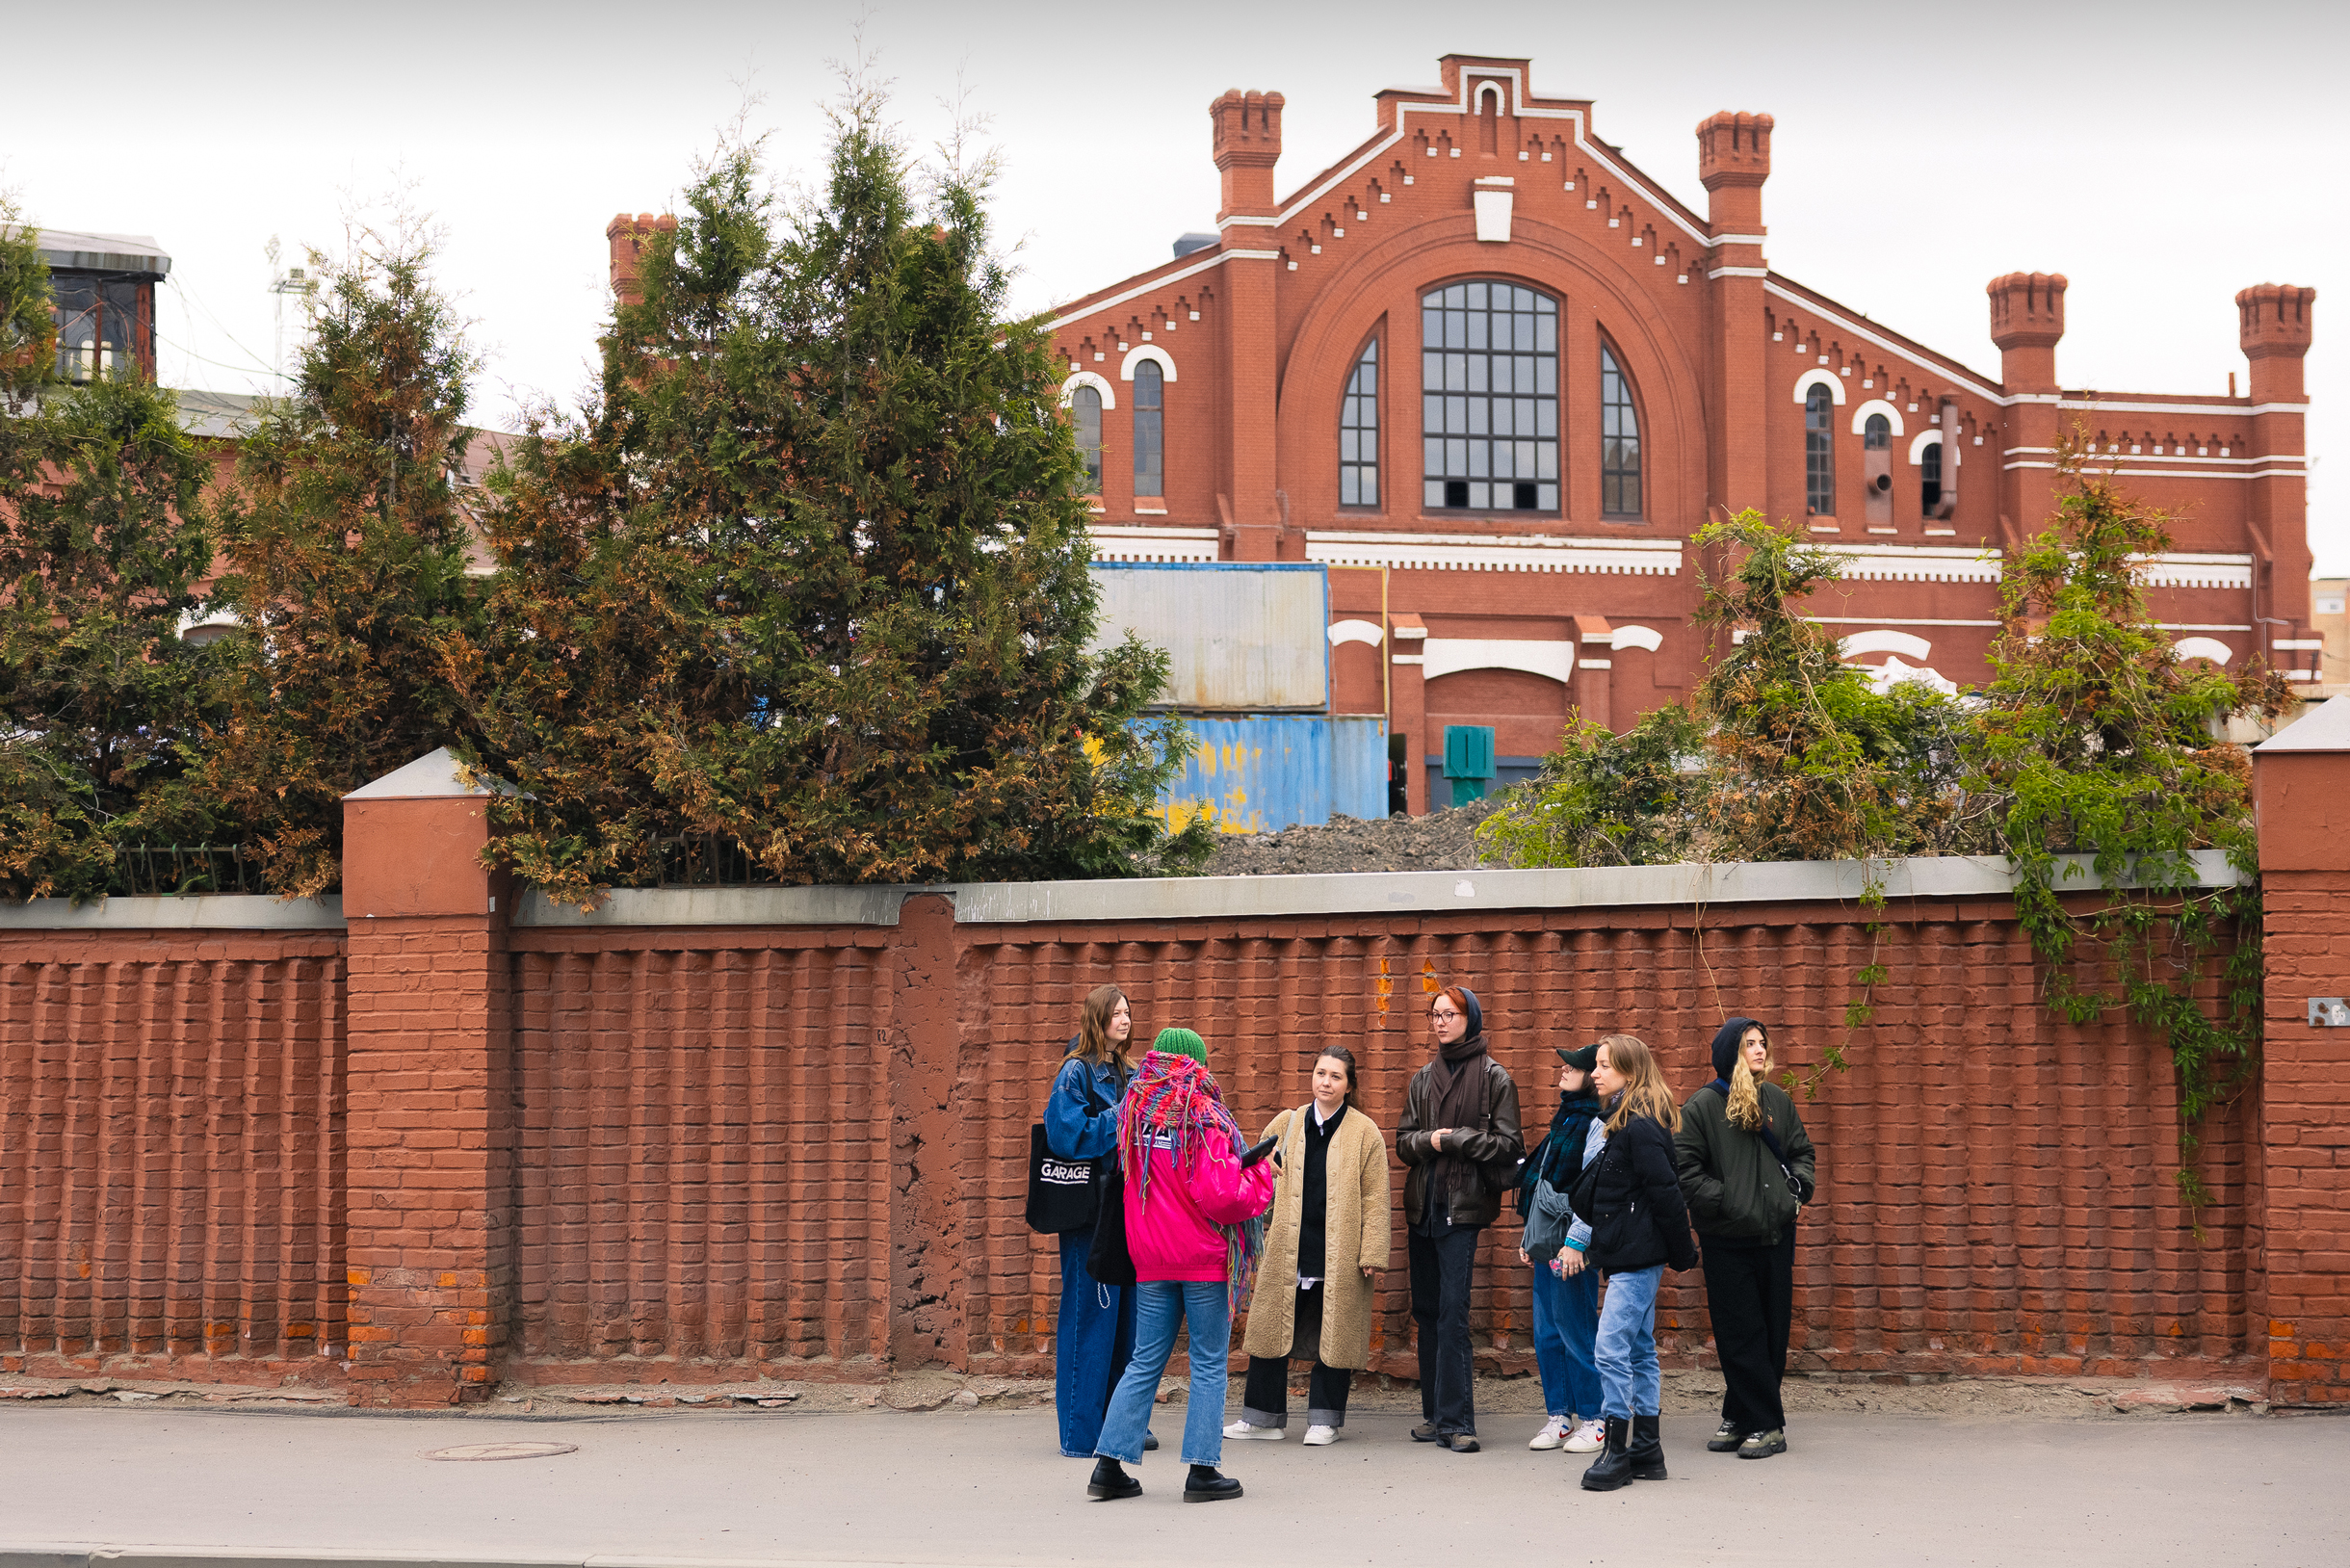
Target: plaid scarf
x: 1176, y: 1098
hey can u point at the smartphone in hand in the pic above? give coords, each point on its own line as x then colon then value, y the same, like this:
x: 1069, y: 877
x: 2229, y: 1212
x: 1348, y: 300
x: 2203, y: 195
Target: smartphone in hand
x: 1258, y: 1153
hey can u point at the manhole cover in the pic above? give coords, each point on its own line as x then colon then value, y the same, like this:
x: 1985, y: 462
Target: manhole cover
x: 503, y: 1451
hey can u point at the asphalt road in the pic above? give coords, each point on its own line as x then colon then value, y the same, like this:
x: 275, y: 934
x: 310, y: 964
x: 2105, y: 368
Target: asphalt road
x: 988, y: 1487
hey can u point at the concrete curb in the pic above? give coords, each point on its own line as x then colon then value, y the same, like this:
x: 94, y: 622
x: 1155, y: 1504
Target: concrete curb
x: 78, y: 1554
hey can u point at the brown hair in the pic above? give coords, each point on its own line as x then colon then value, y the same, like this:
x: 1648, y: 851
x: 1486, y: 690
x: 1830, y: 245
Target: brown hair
x: 1093, y: 1041
x: 1339, y: 1052
x: 1646, y: 1093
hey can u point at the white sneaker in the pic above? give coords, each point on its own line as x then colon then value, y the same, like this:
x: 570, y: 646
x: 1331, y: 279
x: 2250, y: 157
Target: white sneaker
x: 1242, y: 1432
x: 1553, y: 1432
x: 1589, y: 1438
x: 1318, y: 1436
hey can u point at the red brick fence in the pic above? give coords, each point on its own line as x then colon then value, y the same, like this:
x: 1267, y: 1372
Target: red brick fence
x: 445, y: 1135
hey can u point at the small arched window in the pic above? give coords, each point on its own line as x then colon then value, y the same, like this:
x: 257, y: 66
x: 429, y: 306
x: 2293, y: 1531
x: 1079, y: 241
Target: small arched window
x: 1085, y: 414
x: 1929, y: 488
x: 1150, y: 430
x: 1818, y: 455
x: 1358, y: 433
x: 1877, y: 435
x: 1619, y: 441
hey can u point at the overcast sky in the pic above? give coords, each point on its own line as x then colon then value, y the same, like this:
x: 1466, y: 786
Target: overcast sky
x: 2162, y: 155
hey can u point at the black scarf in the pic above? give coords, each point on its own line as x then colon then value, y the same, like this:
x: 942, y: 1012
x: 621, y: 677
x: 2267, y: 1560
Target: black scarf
x: 1458, y: 1103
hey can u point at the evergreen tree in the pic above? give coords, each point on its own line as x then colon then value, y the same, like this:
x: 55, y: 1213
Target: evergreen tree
x: 810, y: 576
x: 347, y: 554
x: 102, y: 536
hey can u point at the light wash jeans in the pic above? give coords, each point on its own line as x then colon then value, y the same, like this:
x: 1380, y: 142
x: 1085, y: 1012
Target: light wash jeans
x: 1566, y: 1323
x: 1631, y: 1382
x: 1161, y: 1306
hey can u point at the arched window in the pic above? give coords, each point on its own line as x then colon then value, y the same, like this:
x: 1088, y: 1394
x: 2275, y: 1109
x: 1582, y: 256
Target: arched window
x: 1929, y: 488
x: 1150, y: 430
x: 1489, y: 397
x: 1819, y: 455
x: 1619, y: 441
x: 1085, y: 414
x: 1877, y: 435
x: 1358, y: 433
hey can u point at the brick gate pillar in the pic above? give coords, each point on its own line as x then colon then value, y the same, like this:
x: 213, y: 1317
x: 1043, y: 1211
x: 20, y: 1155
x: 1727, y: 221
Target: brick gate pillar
x: 2300, y: 784
x: 431, y: 1123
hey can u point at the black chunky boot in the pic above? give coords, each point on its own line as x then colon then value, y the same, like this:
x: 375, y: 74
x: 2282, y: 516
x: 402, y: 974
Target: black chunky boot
x: 1612, y: 1469
x: 1111, y: 1481
x: 1645, y: 1453
x: 1207, y: 1484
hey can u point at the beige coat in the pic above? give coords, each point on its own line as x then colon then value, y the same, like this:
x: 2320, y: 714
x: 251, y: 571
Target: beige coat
x: 1354, y: 1238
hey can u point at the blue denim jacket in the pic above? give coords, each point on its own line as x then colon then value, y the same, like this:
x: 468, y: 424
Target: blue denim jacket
x: 1075, y: 1128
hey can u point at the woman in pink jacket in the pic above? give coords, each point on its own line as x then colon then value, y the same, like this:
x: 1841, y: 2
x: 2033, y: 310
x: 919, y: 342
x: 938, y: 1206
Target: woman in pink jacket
x: 1194, y: 1225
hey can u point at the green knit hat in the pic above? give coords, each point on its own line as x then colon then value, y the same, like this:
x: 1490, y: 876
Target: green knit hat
x: 1181, y: 1042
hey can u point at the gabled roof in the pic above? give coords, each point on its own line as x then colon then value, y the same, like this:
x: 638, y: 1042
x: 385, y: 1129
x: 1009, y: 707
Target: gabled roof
x: 101, y: 252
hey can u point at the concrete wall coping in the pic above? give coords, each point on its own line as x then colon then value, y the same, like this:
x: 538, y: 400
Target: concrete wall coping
x: 195, y: 912
x: 1146, y: 899
x: 1357, y: 893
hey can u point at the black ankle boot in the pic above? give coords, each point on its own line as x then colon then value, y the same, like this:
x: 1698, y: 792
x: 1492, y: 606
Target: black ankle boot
x: 1111, y: 1481
x: 1206, y: 1484
x: 1612, y: 1469
x: 1645, y: 1452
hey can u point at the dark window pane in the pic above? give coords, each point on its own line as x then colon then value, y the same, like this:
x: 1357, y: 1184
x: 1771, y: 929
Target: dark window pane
x: 1085, y: 413
x: 1819, y: 453
x: 1150, y: 430
x: 1620, y: 441
x: 1359, y: 432
x: 1878, y: 434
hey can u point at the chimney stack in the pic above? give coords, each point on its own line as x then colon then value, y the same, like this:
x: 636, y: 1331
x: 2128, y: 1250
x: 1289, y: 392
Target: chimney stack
x: 2273, y: 321
x: 2027, y: 321
x: 1733, y: 161
x: 627, y: 238
x: 1247, y: 145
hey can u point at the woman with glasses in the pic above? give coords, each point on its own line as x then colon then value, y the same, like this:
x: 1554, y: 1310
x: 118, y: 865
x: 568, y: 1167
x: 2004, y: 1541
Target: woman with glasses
x: 1459, y: 1136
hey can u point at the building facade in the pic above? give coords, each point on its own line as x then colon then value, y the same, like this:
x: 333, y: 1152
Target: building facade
x: 1497, y: 379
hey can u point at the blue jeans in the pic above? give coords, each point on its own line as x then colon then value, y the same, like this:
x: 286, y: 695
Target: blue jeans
x: 1566, y: 1322
x: 1093, y: 1340
x: 1630, y: 1383
x: 1160, y: 1305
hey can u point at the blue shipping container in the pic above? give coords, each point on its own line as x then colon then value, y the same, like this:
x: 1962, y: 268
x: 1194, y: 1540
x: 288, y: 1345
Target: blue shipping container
x: 1266, y: 772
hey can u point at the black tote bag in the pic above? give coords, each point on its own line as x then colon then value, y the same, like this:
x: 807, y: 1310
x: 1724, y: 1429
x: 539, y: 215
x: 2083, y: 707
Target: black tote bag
x: 1063, y: 1194
x: 1109, y: 1262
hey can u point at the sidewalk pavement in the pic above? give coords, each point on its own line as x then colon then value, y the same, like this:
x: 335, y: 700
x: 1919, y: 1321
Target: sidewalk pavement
x: 172, y: 1488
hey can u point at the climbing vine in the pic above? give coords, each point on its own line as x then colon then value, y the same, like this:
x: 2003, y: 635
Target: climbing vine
x: 2110, y: 756
x: 2094, y: 752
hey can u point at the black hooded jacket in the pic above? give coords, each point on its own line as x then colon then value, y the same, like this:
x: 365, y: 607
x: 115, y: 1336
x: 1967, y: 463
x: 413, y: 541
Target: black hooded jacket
x: 1737, y: 1192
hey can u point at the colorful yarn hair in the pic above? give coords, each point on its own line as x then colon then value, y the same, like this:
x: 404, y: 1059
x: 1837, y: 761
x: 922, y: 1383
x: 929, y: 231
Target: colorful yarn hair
x: 1176, y: 1098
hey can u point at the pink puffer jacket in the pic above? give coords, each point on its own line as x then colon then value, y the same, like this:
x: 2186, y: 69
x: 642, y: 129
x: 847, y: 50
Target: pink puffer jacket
x: 1174, y: 1236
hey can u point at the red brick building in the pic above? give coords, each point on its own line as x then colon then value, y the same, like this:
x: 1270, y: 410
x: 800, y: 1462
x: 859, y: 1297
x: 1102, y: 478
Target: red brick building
x: 1487, y: 370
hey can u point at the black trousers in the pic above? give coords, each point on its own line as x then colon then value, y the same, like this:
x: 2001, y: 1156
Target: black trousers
x: 1441, y: 1271
x: 1750, y: 1294
x: 1264, y: 1399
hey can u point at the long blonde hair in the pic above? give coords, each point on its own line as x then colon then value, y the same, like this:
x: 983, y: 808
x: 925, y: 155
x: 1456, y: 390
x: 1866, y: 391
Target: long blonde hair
x: 1745, y: 1108
x: 1646, y: 1093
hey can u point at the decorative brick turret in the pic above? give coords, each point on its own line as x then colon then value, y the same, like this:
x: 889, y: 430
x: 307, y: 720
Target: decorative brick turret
x: 1733, y: 161
x: 1247, y: 145
x: 2273, y: 321
x: 628, y: 237
x: 2027, y: 321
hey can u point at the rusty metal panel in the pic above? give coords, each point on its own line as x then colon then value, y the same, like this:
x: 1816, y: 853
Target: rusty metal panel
x: 1269, y: 772
x: 1245, y: 636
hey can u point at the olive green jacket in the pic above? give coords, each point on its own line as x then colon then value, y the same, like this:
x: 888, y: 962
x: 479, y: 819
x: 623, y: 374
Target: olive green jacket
x: 1736, y: 1191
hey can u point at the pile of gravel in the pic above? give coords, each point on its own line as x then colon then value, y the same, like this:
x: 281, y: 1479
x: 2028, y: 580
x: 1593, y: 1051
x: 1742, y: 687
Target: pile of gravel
x: 1438, y: 841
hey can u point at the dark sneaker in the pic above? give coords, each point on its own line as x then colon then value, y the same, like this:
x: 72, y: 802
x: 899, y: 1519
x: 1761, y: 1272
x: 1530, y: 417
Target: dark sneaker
x: 1726, y: 1439
x: 1461, y: 1442
x: 1427, y: 1432
x: 1762, y: 1445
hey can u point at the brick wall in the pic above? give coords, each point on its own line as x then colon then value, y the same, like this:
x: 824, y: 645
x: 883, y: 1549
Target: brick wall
x: 171, y: 1155
x: 1997, y: 1190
